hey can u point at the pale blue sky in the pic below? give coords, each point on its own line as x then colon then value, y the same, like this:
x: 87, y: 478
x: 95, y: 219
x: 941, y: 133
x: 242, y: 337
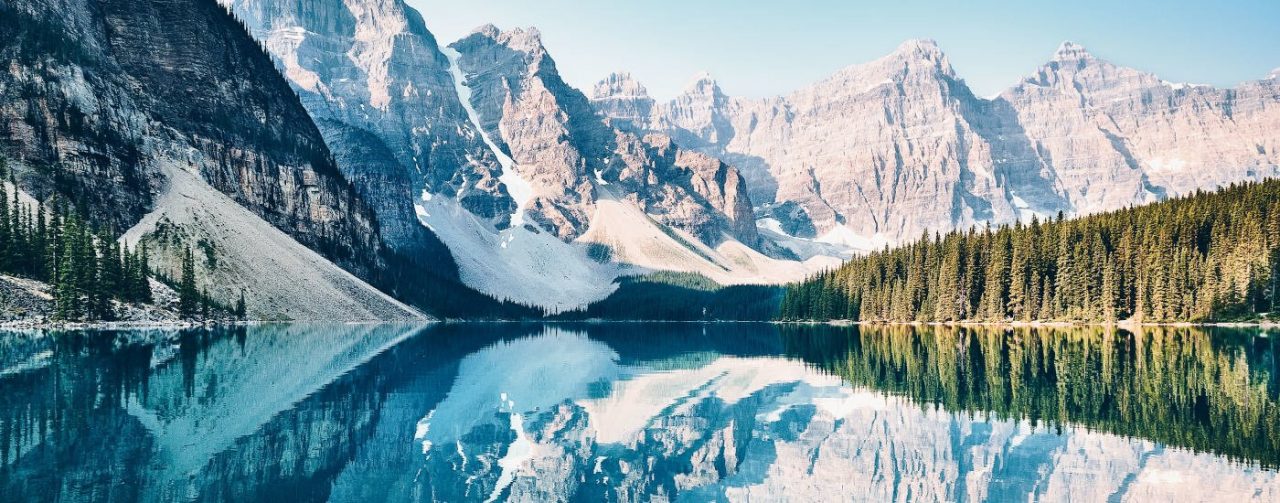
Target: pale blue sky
x: 758, y: 48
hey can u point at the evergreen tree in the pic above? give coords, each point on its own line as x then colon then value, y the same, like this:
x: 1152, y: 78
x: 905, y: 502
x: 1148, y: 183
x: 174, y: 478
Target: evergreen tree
x: 1208, y: 256
x: 188, y: 296
x: 240, y: 311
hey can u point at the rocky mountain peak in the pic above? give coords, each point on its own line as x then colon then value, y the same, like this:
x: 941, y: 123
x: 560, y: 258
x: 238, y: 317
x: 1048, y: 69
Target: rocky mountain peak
x: 376, y: 82
x: 1274, y: 75
x: 619, y: 85
x: 922, y: 53
x: 919, y: 47
x: 703, y: 84
x: 624, y: 100
x: 489, y: 30
x: 1071, y: 51
x: 526, y: 40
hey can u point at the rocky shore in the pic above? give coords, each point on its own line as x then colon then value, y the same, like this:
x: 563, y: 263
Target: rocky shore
x: 28, y: 304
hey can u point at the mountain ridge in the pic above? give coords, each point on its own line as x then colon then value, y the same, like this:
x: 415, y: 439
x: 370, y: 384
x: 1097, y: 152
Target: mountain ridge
x: 869, y: 148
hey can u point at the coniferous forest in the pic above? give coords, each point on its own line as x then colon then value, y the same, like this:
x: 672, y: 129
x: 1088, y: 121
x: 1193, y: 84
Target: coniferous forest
x: 1203, y: 257
x: 85, y: 266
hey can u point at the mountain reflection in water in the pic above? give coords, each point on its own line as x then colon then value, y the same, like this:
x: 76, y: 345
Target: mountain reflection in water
x: 637, y: 412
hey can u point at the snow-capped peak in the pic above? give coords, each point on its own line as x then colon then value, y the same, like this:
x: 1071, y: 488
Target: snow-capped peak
x: 1275, y: 74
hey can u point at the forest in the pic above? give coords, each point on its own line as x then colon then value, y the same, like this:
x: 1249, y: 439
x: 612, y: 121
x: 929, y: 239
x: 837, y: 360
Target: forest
x: 1202, y: 257
x: 86, y: 267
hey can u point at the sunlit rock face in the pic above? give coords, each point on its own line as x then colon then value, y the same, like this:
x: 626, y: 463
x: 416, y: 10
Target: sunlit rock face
x: 97, y: 97
x: 380, y: 89
x: 386, y: 97
x: 887, y: 150
x: 571, y: 157
x: 622, y: 99
x: 1118, y: 136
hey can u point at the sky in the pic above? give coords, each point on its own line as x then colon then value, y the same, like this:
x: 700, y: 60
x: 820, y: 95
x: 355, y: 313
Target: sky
x: 768, y: 48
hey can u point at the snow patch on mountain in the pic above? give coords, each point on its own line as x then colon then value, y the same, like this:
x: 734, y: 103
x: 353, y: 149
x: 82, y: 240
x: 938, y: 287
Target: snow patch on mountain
x: 519, y: 189
x: 844, y: 236
x: 521, y: 263
x: 804, y: 248
x: 1178, y: 86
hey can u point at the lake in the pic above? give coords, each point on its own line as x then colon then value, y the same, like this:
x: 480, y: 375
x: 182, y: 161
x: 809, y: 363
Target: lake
x: 639, y: 412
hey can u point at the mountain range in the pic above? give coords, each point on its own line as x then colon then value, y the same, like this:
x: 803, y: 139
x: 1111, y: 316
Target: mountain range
x: 885, y: 151
x: 340, y: 136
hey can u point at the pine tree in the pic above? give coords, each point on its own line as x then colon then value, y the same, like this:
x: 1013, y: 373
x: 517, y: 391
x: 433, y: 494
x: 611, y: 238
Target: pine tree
x: 241, y: 312
x: 188, y: 296
x: 144, y: 274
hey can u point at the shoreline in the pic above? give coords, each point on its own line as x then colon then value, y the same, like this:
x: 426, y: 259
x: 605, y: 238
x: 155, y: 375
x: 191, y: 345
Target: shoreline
x: 16, y: 325
x: 19, y: 325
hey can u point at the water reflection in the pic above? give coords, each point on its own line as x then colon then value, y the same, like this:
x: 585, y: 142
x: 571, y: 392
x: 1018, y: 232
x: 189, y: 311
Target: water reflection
x: 638, y: 412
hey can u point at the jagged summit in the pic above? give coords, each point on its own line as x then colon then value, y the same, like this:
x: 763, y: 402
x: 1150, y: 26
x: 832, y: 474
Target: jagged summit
x: 488, y: 30
x: 702, y: 78
x: 919, y: 46
x: 919, y: 57
x: 703, y: 83
x: 1275, y: 74
x: 619, y: 85
x: 1071, y: 51
x: 528, y: 40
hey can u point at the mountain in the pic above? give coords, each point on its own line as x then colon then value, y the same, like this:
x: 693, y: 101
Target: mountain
x: 885, y: 151
x: 378, y: 86
x: 1116, y: 136
x: 537, y: 198
x: 168, y: 116
x: 570, y: 158
x: 635, y: 200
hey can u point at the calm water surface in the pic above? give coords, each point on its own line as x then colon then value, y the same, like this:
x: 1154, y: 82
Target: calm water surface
x: 639, y: 412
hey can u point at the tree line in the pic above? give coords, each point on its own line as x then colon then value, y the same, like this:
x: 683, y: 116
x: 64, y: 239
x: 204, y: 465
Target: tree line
x: 85, y: 267
x: 677, y: 296
x: 1202, y: 257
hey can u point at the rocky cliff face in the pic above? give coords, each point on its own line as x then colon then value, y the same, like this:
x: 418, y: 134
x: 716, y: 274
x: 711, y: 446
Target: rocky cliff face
x: 624, y: 101
x: 379, y: 87
x: 1117, y: 136
x: 98, y: 95
x: 486, y: 146
x: 884, y: 151
x: 570, y: 158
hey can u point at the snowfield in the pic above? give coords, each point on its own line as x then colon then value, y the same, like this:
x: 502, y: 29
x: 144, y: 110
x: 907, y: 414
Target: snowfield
x: 517, y: 187
x: 533, y: 267
x: 517, y: 264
